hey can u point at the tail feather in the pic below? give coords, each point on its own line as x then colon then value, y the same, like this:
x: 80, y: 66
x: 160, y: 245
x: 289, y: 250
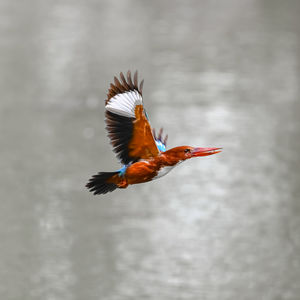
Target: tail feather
x: 98, y: 183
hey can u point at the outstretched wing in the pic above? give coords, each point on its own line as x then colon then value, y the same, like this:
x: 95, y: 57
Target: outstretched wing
x: 127, y: 123
x: 161, y: 142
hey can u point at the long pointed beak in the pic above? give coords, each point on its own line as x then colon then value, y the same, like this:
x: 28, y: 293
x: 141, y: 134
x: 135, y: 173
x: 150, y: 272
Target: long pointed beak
x: 205, y: 151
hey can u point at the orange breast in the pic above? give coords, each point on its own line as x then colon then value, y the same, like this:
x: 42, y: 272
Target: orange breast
x: 141, y: 172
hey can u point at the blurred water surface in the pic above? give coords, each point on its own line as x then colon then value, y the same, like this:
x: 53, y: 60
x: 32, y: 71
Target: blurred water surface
x: 217, y: 73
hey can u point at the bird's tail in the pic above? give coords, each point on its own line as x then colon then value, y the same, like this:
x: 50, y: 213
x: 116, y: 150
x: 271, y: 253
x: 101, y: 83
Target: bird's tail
x: 103, y: 182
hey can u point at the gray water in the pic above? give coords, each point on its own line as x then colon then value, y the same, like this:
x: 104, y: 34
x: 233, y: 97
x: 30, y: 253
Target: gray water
x: 217, y: 73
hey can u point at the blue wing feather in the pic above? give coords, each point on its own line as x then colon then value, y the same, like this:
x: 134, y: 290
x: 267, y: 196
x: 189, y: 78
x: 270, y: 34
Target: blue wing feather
x: 161, y: 147
x: 161, y: 142
x: 122, y: 171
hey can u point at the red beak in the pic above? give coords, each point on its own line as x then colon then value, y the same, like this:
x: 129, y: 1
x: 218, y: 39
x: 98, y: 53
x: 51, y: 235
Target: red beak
x: 205, y: 151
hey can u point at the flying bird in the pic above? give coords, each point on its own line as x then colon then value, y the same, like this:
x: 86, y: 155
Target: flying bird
x: 141, y: 151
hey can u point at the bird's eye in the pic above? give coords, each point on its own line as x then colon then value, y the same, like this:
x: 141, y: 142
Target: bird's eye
x: 187, y: 150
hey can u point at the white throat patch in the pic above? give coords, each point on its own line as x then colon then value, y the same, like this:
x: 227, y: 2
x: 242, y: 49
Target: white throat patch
x: 164, y: 171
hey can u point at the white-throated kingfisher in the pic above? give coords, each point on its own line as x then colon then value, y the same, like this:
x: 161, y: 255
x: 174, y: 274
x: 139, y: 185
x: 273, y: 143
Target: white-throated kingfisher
x: 142, y: 153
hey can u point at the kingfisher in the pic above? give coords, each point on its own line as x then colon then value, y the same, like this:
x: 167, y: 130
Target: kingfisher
x: 140, y: 149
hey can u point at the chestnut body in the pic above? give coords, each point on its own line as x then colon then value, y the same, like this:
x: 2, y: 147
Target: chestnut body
x: 158, y: 166
x: 143, y: 154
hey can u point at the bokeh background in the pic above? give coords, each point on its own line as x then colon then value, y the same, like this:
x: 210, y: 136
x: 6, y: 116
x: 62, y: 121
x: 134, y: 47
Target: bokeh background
x: 217, y: 73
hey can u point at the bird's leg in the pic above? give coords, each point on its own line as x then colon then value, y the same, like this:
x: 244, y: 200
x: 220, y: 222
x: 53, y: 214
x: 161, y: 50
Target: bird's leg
x: 123, y: 184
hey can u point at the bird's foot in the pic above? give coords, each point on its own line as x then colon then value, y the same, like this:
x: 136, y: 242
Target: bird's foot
x: 123, y: 184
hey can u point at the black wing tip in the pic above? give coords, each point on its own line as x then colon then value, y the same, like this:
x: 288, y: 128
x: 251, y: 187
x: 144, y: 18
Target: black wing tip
x: 97, y: 183
x: 125, y: 84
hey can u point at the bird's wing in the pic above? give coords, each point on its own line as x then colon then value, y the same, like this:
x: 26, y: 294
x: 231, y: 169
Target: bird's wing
x: 127, y: 123
x: 161, y: 142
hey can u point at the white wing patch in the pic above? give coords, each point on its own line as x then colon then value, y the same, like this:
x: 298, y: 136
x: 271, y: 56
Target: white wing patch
x: 124, y: 104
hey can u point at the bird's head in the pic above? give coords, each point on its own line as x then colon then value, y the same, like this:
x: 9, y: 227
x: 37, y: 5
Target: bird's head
x: 185, y: 152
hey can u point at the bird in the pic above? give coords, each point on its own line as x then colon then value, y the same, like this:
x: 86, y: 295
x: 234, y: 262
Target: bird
x: 141, y: 151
